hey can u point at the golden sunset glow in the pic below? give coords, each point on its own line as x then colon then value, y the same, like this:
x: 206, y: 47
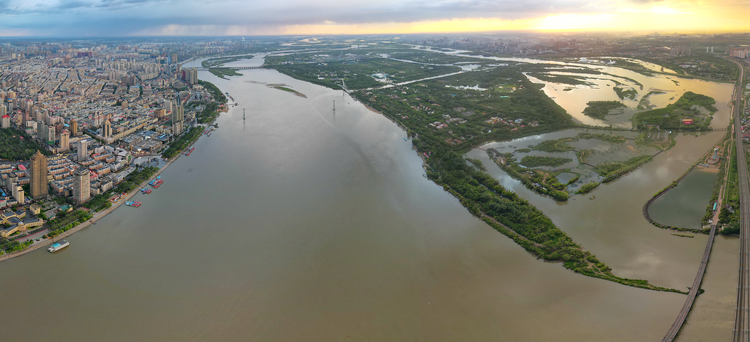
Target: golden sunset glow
x: 662, y: 17
x: 297, y: 17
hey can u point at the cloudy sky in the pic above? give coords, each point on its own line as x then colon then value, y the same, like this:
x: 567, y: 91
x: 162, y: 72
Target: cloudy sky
x: 77, y: 18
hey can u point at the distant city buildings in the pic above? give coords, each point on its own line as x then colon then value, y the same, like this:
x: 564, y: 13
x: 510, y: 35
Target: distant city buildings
x: 94, y: 106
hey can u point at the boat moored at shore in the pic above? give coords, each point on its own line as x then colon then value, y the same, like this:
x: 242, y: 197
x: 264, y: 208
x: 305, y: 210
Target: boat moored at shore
x: 58, y: 246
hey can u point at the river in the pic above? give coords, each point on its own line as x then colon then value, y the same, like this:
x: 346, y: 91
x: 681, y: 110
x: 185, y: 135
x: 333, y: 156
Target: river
x: 296, y: 224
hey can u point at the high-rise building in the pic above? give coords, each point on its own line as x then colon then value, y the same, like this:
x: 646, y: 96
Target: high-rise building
x: 81, y: 186
x: 41, y: 131
x: 160, y: 113
x: 51, y: 134
x: 107, y: 129
x: 74, y: 127
x: 18, y: 194
x: 177, y: 118
x: 10, y: 182
x: 3, y: 109
x: 6, y: 120
x: 191, y: 76
x: 64, y: 141
x: 82, y: 152
x: 38, y: 175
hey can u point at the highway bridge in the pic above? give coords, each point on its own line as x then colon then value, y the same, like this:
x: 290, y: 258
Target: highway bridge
x: 232, y: 68
x: 741, y: 316
x: 677, y: 324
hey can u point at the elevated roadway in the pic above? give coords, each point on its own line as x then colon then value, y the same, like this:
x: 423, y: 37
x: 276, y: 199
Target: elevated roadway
x: 741, y: 317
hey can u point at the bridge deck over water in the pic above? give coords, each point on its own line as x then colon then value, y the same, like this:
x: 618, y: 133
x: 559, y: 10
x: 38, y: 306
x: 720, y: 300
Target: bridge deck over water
x: 232, y: 68
x: 740, y: 330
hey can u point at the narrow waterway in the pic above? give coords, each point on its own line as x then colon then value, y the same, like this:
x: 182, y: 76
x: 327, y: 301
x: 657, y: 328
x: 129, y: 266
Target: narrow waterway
x: 296, y: 224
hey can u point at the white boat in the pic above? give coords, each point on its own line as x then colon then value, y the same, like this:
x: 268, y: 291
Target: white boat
x: 58, y: 246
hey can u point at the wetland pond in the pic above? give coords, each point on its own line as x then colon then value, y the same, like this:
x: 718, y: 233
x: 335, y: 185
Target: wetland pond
x: 684, y: 205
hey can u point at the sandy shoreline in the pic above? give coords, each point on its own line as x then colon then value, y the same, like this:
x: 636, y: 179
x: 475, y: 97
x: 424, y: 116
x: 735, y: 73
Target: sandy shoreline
x: 96, y: 217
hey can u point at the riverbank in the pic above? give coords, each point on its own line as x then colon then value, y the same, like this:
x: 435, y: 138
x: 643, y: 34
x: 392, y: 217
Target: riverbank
x: 96, y: 217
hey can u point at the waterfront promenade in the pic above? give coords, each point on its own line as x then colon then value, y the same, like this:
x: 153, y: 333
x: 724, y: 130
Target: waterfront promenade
x: 96, y: 217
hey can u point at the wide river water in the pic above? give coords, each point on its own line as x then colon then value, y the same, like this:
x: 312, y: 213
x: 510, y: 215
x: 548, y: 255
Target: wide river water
x: 298, y: 225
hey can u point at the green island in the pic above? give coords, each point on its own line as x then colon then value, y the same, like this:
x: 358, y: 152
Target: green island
x: 289, y: 90
x: 17, y: 145
x: 218, y: 61
x: 221, y: 72
x: 630, y: 93
x: 684, y: 235
x: 448, y: 116
x: 600, y: 109
x: 691, y: 112
x: 613, y: 170
x: 586, y: 188
x: 536, y: 161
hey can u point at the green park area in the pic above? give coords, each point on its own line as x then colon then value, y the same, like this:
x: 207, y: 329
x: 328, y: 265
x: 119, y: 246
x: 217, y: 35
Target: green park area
x: 17, y: 145
x: 182, y: 142
x: 691, y: 112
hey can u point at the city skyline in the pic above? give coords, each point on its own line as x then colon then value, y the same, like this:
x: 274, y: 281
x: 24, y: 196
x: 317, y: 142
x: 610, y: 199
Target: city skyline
x: 95, y: 18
